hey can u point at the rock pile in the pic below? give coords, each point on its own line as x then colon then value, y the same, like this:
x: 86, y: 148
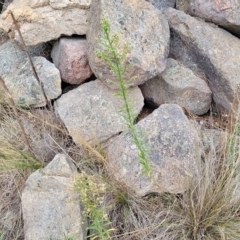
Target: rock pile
x: 175, y: 59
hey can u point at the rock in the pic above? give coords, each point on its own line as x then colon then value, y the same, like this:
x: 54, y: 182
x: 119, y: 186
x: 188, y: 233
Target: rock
x: 208, y: 55
x: 70, y: 57
x: 51, y: 209
x: 178, y: 84
x: 223, y: 13
x: 91, y: 111
x: 17, y: 74
x: 141, y: 27
x: 42, y: 21
x: 173, y: 153
x: 161, y: 4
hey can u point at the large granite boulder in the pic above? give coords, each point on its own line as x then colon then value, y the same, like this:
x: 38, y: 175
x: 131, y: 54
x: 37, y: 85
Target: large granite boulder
x: 173, y: 153
x: 16, y: 71
x: 50, y: 207
x: 223, y: 13
x: 93, y: 112
x: 178, y: 84
x: 139, y: 25
x: 70, y: 57
x: 42, y: 21
x: 209, y: 51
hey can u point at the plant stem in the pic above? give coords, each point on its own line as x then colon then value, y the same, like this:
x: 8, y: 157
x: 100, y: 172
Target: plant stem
x: 116, y: 60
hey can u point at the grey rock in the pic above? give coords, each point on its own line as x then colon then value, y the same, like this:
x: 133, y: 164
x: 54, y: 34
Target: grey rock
x: 11, y: 55
x: 178, y: 84
x: 161, y: 4
x: 222, y: 13
x: 92, y: 111
x: 18, y: 76
x: 51, y: 209
x: 173, y: 153
x: 42, y: 21
x: 209, y: 51
x: 70, y: 57
x: 142, y: 27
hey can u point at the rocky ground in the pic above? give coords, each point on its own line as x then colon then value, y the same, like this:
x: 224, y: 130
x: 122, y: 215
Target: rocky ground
x: 70, y: 163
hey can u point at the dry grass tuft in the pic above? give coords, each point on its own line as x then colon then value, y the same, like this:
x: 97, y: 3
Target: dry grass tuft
x: 11, y: 185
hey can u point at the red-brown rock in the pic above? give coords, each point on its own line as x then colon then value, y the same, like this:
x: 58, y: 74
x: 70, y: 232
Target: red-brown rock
x: 70, y: 57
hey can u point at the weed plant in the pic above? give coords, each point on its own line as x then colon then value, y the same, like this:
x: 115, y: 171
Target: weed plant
x: 91, y: 190
x: 116, y: 60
